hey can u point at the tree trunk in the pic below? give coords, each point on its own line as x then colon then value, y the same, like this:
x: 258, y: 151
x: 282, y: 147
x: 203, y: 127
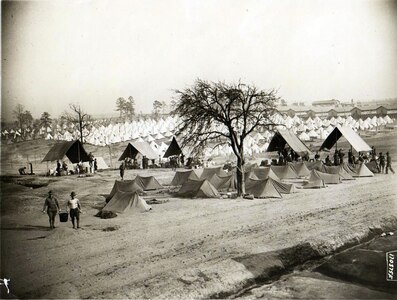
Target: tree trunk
x: 240, y: 177
x: 81, y: 129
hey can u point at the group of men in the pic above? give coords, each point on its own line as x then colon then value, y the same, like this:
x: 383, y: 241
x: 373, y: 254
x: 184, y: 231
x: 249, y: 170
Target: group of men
x: 290, y: 155
x: 383, y: 163
x: 338, y: 158
x: 129, y: 163
x: 79, y: 169
x: 51, y: 206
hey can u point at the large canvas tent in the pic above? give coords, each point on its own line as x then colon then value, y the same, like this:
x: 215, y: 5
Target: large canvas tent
x: 198, y: 189
x: 101, y: 163
x: 73, y: 150
x: 283, y: 137
x: 173, y: 149
x: 123, y: 202
x: 182, y: 176
x: 351, y: 136
x: 132, y: 150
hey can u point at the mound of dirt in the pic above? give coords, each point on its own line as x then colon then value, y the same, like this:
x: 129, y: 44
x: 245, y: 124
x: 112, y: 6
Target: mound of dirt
x: 106, y: 214
x: 111, y: 228
x: 157, y: 201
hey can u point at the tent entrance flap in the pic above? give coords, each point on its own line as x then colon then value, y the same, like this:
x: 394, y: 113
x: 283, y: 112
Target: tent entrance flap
x: 134, y: 148
x: 74, y: 150
x: 283, y: 137
x: 349, y: 134
x: 173, y: 149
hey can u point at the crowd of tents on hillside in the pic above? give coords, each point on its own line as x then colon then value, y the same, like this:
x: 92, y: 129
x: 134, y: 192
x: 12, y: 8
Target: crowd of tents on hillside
x: 157, y: 132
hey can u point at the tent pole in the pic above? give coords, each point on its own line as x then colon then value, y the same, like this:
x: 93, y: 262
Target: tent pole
x: 110, y: 156
x: 336, y: 142
x: 78, y: 153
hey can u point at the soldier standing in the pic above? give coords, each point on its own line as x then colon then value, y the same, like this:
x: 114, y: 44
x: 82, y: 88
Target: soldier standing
x: 382, y: 162
x: 52, y: 206
x: 388, y: 163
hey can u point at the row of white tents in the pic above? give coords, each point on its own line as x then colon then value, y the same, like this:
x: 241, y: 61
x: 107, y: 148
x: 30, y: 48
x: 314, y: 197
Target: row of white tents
x: 157, y: 132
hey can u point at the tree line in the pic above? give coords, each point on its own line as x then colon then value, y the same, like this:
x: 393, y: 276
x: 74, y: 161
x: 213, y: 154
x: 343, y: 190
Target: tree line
x: 28, y: 126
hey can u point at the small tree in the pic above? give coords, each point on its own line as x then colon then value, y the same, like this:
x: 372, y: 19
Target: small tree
x: 45, y: 120
x: 120, y: 105
x: 126, y: 107
x: 80, y: 118
x: 225, y: 114
x: 130, y: 107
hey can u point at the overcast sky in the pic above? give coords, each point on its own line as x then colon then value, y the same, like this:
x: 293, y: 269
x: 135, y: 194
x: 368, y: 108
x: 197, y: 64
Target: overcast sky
x: 92, y: 52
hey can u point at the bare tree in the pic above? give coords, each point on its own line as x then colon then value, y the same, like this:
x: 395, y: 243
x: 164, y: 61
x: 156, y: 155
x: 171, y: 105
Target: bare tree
x: 23, y: 120
x: 224, y: 114
x: 19, y: 114
x: 79, y: 118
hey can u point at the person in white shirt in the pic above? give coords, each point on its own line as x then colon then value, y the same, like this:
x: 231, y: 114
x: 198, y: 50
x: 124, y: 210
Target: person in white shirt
x: 74, y: 209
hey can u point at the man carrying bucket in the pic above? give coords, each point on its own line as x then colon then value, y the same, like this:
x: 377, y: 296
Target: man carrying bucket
x: 74, y: 209
x: 52, y: 206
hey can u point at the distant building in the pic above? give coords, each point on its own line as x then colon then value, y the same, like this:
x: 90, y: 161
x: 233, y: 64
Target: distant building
x: 356, y: 112
x: 332, y: 102
x: 298, y: 104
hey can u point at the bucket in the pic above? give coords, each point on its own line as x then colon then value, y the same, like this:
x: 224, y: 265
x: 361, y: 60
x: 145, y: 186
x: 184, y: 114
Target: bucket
x: 63, y: 216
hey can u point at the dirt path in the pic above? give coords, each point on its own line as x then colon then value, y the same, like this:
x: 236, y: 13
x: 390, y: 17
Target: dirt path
x: 183, y: 248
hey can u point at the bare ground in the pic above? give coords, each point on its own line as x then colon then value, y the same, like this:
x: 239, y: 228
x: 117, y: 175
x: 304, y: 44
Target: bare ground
x: 183, y: 248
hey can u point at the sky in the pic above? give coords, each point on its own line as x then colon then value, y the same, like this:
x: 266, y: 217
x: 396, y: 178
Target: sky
x: 93, y: 52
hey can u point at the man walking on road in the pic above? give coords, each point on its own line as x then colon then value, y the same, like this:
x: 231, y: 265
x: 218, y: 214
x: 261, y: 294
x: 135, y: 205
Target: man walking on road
x: 382, y: 162
x: 74, y: 209
x: 52, y: 206
x: 388, y: 163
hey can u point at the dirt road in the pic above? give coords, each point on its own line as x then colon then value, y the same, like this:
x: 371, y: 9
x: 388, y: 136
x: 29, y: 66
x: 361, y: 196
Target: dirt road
x: 181, y: 249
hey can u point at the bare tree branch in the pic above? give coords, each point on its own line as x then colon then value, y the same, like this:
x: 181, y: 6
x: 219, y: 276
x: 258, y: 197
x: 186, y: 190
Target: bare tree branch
x: 224, y: 114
